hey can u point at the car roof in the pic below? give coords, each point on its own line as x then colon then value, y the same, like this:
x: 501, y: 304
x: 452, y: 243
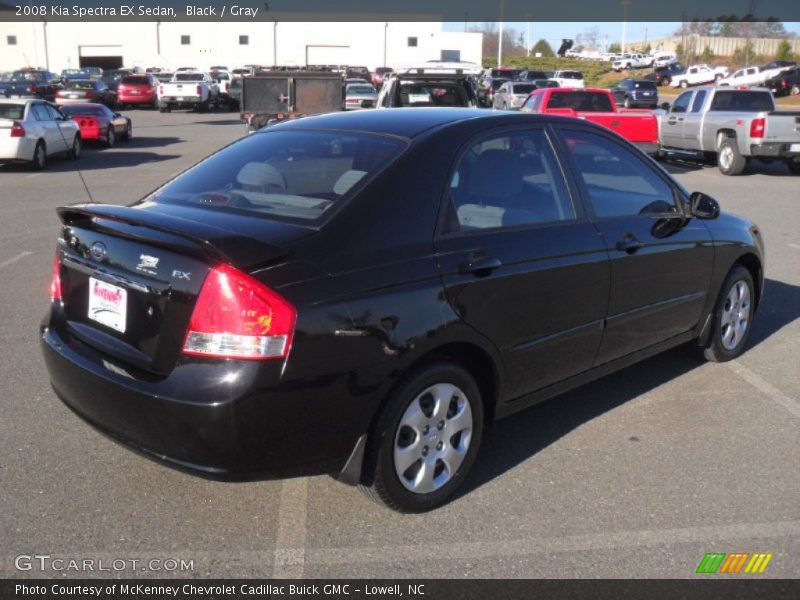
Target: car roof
x: 402, y: 122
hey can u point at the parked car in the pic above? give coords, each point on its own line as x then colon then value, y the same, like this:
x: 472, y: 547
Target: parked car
x: 112, y: 77
x: 572, y: 79
x: 664, y: 59
x: 632, y: 93
x: 698, y: 75
x: 70, y: 74
x: 99, y: 123
x: 731, y: 125
x: 34, y: 130
x: 94, y: 72
x: 749, y: 76
x: 86, y: 90
x: 379, y: 74
x: 504, y: 72
x: 244, y: 330
x: 434, y: 84
x: 663, y: 75
x: 138, y: 90
x: 529, y: 75
x: 640, y: 127
x: 33, y: 83
x: 776, y: 67
x: 787, y: 82
x: 632, y: 61
x: 235, y: 93
x: 487, y: 89
x: 163, y: 77
x: 188, y: 89
x: 512, y: 94
x: 223, y: 79
x: 360, y: 95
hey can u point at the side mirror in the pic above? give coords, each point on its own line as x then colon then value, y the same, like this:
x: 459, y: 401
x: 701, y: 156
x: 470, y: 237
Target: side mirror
x: 702, y: 206
x: 664, y: 106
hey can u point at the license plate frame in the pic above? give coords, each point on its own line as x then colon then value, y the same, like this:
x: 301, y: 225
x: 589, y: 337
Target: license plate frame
x: 108, y: 305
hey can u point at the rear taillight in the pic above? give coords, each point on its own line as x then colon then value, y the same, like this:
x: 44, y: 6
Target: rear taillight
x: 17, y: 130
x: 199, y: 91
x: 757, y: 127
x: 237, y: 316
x: 60, y: 93
x: 90, y: 94
x: 55, y: 280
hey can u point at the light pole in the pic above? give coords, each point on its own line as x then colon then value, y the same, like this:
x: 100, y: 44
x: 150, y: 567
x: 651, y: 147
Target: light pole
x: 275, y: 44
x: 385, y: 34
x: 625, y: 5
x: 528, y: 37
x: 500, y: 34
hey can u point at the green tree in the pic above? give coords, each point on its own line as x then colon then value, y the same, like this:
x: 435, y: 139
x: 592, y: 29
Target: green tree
x: 614, y: 48
x: 543, y: 47
x: 680, y: 52
x: 784, y: 51
x: 708, y: 54
x: 744, y: 55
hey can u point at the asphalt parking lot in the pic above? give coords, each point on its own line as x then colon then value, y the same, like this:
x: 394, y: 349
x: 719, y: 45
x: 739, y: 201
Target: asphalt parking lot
x: 636, y: 475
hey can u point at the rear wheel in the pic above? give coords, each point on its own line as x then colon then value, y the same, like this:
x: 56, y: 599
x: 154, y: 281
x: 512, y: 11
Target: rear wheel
x: 795, y: 90
x: 732, y: 316
x: 111, y: 137
x: 684, y: 84
x: 729, y: 160
x: 425, y: 440
x: 794, y: 167
x: 39, y: 161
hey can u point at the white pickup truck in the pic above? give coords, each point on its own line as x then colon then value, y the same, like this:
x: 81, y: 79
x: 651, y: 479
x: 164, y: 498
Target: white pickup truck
x: 632, y: 61
x: 188, y: 89
x: 698, y: 75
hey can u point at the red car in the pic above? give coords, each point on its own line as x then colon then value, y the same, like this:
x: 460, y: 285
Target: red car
x: 139, y: 90
x: 635, y: 125
x: 98, y: 122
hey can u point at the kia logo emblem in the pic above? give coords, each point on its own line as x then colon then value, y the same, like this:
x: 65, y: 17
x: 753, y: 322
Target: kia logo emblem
x: 99, y: 251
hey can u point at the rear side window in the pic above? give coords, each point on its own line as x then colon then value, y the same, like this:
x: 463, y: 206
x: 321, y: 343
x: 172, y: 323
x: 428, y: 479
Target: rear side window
x: 580, y: 101
x: 618, y: 182
x: 12, y: 111
x: 508, y: 180
x: 739, y: 100
x: 288, y: 175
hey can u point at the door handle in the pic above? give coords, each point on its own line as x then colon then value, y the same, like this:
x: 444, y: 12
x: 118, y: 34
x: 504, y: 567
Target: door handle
x: 480, y: 266
x: 629, y: 243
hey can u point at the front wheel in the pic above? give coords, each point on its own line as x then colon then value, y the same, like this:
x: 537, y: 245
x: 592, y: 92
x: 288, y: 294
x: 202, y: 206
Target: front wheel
x: 128, y: 132
x: 111, y: 137
x: 733, y: 315
x: 795, y: 90
x: 425, y: 440
x: 684, y: 84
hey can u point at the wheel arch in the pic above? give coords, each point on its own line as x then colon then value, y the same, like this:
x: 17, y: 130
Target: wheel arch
x: 753, y: 264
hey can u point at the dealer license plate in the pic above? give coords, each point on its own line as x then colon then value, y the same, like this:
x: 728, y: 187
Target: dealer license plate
x: 794, y: 148
x: 108, y: 304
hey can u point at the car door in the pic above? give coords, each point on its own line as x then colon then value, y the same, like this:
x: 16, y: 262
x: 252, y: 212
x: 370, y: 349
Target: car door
x: 520, y: 262
x: 661, y: 260
x: 672, y: 123
x: 693, y: 121
x: 47, y: 126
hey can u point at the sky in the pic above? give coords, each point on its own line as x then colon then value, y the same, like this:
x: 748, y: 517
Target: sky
x: 636, y: 31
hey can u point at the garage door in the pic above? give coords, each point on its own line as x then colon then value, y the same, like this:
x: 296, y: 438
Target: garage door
x: 105, y: 57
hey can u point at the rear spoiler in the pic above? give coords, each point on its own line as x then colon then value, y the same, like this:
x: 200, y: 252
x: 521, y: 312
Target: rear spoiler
x: 238, y: 250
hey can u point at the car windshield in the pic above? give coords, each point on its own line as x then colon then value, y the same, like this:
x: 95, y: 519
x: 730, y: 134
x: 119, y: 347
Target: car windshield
x: 433, y: 94
x: 92, y: 110
x: 524, y: 88
x: 80, y: 85
x: 135, y: 80
x: 360, y: 89
x: 581, y: 101
x: 188, y: 77
x: 12, y: 111
x: 738, y: 100
x: 287, y: 175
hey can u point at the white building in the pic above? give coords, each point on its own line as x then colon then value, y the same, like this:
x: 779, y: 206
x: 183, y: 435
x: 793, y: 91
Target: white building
x: 60, y: 45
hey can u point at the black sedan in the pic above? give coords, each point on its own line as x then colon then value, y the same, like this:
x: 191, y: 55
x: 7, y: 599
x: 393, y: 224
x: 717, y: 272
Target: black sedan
x: 362, y: 294
x: 80, y: 91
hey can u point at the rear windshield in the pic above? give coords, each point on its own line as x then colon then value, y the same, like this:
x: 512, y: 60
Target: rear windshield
x: 496, y: 83
x: 644, y: 84
x: 504, y: 72
x: 80, y: 85
x: 580, y: 101
x: 360, y: 89
x: 286, y: 175
x: 135, y: 80
x: 738, y: 100
x: 188, y: 77
x: 536, y: 75
x: 524, y: 88
x: 12, y: 111
x: 433, y: 94
x: 87, y: 109
x: 219, y: 76
x: 571, y: 75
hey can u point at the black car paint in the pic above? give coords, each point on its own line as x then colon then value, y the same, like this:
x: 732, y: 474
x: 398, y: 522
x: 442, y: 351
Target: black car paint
x: 379, y: 288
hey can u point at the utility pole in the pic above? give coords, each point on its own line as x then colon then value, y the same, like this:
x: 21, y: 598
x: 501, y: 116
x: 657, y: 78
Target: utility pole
x: 625, y: 5
x: 500, y: 34
x: 528, y: 36
x: 385, y: 33
x: 275, y: 44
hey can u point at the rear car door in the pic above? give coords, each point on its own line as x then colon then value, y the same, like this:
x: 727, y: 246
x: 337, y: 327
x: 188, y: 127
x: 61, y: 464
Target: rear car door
x: 661, y: 260
x: 48, y: 127
x: 693, y: 120
x: 520, y: 262
x: 672, y: 123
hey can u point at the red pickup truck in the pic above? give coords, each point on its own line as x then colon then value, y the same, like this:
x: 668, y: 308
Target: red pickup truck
x: 637, y: 126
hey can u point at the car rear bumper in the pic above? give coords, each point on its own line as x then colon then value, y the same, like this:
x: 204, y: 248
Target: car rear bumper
x: 775, y: 150
x: 173, y: 102
x: 12, y: 149
x: 136, y: 98
x: 199, y: 418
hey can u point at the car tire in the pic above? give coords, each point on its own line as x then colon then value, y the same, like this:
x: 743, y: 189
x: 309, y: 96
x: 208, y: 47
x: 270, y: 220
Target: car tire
x: 77, y: 148
x: 111, y: 137
x: 627, y: 103
x: 434, y: 418
x: 729, y: 159
x: 128, y: 132
x: 733, y: 316
x: 39, y: 161
x: 795, y: 90
x: 793, y: 166
x: 684, y: 84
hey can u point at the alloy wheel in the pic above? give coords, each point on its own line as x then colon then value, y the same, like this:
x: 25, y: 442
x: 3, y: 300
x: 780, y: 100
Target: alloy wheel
x: 735, y: 316
x: 726, y: 157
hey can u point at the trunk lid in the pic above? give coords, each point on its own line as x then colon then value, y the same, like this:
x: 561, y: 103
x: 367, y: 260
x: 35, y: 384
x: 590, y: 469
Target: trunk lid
x: 782, y: 126
x: 131, y: 275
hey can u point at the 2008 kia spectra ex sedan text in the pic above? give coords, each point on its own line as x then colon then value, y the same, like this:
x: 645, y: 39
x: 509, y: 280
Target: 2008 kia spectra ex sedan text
x: 362, y: 293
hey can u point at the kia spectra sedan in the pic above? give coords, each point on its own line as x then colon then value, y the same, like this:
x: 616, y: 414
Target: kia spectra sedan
x: 364, y: 294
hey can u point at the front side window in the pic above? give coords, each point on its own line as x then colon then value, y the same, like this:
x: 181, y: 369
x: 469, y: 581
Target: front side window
x: 286, y: 175
x: 618, y: 182
x: 508, y: 180
x: 681, y: 105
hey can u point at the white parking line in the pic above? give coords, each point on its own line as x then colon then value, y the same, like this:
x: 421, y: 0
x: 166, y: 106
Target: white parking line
x: 14, y: 259
x: 290, y: 551
x: 765, y: 387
